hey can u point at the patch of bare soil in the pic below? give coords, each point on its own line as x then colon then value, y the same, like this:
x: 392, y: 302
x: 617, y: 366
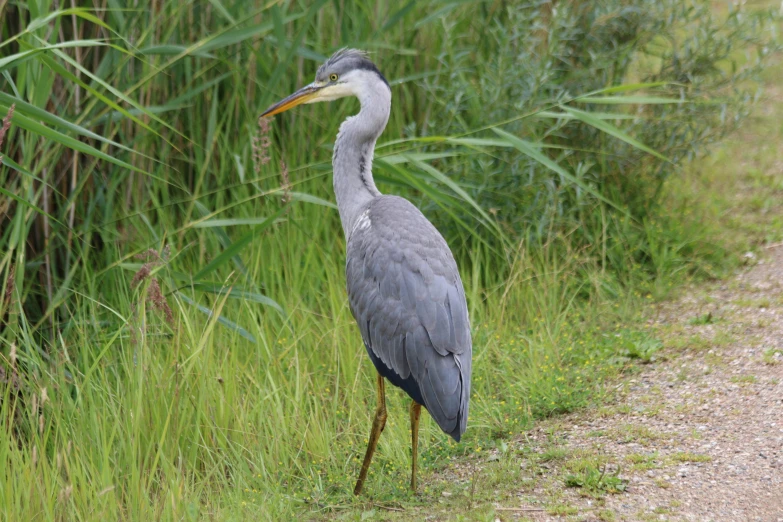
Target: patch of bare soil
x: 698, y: 435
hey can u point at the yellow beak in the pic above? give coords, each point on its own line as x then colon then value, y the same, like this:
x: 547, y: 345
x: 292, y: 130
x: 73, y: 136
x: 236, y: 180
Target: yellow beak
x: 306, y: 94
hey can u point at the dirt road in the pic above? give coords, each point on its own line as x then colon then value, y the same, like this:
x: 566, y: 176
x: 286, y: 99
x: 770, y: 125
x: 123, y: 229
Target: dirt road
x: 699, y: 435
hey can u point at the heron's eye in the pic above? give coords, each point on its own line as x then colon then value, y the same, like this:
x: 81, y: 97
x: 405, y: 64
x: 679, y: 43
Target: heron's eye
x: 333, y: 77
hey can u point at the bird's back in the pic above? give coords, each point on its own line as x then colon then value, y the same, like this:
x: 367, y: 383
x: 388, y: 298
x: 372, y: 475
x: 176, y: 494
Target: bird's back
x: 407, y: 297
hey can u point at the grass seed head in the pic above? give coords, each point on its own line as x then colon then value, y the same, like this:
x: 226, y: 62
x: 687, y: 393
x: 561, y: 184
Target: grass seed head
x: 142, y: 274
x: 6, y: 123
x: 155, y: 295
x: 9, y: 286
x: 153, y: 259
x: 286, y: 182
x: 149, y: 255
x: 158, y: 301
x: 260, y: 145
x: 65, y: 494
x: 11, y: 378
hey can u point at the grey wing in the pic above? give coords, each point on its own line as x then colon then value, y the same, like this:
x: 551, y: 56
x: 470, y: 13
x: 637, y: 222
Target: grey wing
x: 407, y: 297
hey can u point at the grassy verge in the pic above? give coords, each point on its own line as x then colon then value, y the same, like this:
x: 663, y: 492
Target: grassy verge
x: 239, y: 429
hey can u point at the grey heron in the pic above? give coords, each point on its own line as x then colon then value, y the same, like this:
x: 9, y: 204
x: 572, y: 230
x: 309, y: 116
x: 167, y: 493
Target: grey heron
x: 404, y: 288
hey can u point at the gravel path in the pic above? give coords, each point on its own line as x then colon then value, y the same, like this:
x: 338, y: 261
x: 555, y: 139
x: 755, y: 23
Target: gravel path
x: 698, y: 436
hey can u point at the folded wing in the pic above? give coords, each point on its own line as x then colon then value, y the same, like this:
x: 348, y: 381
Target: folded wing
x: 407, y: 297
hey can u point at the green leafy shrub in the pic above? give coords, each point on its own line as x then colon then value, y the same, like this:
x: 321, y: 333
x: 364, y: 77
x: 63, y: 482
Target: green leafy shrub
x: 536, y: 58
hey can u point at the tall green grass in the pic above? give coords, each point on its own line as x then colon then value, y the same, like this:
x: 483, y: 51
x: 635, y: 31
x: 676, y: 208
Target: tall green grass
x: 175, y: 334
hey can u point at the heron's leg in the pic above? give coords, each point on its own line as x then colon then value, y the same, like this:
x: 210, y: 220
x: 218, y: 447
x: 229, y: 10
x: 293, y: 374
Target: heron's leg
x: 415, y: 414
x: 377, y: 427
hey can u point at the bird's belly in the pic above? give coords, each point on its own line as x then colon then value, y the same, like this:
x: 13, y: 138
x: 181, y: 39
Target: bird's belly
x: 409, y: 385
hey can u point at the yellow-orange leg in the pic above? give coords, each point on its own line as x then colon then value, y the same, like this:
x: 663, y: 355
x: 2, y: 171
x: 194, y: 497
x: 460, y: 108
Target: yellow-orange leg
x: 377, y: 427
x: 415, y: 414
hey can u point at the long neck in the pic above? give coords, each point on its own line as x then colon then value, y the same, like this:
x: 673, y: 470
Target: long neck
x: 353, y: 151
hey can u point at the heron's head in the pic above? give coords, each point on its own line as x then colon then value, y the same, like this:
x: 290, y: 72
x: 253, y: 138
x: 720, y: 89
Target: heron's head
x: 348, y: 72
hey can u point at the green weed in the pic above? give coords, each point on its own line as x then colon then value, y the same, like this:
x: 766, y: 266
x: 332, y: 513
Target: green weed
x: 744, y: 379
x: 772, y: 356
x: 690, y: 457
x: 593, y: 477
